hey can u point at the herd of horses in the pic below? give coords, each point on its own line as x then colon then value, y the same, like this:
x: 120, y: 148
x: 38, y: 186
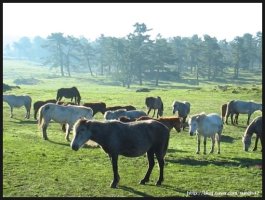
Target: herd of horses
x: 130, y: 132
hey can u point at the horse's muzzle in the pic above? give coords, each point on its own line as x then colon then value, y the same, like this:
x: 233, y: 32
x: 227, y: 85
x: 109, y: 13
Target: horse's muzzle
x: 74, y: 147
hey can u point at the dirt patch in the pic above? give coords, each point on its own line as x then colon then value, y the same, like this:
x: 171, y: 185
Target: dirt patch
x: 26, y: 81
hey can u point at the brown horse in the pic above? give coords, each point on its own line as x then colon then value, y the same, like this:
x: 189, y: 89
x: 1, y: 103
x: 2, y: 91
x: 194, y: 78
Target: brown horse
x: 127, y: 139
x: 170, y: 122
x: 38, y: 104
x: 223, y: 111
x: 113, y: 108
x: 96, y: 107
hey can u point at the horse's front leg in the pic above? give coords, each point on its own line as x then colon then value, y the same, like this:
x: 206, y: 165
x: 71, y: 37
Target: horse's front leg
x: 151, y: 163
x: 116, y: 177
x: 213, y: 141
x: 232, y: 118
x: 67, y: 132
x: 226, y: 118
x: 204, y: 144
x: 198, y: 143
x: 249, y: 114
x: 11, y: 111
x: 256, y: 143
x: 154, y: 113
x: 148, y: 111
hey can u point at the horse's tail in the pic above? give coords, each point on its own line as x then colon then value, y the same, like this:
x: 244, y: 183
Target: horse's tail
x: 58, y: 95
x: 41, y: 111
x: 228, y: 109
x: 166, y: 145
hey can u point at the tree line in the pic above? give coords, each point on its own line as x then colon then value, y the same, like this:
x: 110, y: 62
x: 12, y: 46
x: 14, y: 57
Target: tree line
x: 136, y: 57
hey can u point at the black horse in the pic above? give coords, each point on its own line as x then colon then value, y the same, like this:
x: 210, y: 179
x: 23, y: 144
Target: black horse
x: 69, y: 93
x: 128, y: 139
x: 154, y: 103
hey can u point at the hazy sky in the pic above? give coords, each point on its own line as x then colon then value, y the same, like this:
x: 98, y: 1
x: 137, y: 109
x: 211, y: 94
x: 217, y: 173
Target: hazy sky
x: 220, y: 20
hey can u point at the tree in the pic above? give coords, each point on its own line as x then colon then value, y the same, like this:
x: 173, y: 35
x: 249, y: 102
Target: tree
x: 55, y: 43
x: 86, y: 53
x: 139, y: 42
x: 238, y: 54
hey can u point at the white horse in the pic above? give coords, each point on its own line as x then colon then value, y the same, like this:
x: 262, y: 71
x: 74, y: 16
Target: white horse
x: 206, y: 126
x: 242, y: 107
x: 17, y: 102
x: 254, y: 127
x: 131, y: 114
x: 62, y: 114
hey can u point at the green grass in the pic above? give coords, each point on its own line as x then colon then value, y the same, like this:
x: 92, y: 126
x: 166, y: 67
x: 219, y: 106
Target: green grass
x: 33, y: 167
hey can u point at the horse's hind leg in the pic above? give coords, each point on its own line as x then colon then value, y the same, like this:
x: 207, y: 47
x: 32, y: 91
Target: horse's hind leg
x: 161, y: 164
x: 204, y: 145
x: 213, y: 142
x: 151, y: 163
x: 67, y: 132
x: 114, y: 161
x: 44, y: 131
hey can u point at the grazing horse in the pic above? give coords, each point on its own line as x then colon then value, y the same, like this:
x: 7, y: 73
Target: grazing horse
x: 127, y: 139
x: 223, y: 111
x: 206, y: 126
x: 38, y: 104
x: 243, y: 107
x: 63, y: 115
x: 69, y: 93
x: 96, y: 107
x: 183, y: 109
x: 112, y: 108
x: 254, y: 127
x: 17, y: 102
x: 132, y: 114
x: 155, y: 104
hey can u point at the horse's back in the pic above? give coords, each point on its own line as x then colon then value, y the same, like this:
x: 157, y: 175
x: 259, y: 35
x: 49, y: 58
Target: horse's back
x: 136, y: 138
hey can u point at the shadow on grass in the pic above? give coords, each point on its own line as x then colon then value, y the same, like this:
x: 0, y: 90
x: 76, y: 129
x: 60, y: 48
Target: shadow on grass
x: 60, y: 143
x: 175, y: 150
x: 26, y: 121
x: 236, y: 162
x: 132, y: 190
x: 226, y: 138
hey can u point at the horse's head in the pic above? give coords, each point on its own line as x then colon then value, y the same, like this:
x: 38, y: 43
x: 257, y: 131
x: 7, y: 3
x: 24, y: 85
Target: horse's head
x: 194, y: 122
x: 178, y: 124
x: 246, y: 140
x: 81, y: 133
x: 175, y: 106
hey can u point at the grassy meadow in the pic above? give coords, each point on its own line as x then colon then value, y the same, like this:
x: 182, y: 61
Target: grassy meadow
x: 33, y: 167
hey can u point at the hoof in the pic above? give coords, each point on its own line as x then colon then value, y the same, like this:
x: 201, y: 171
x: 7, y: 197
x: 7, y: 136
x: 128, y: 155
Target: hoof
x: 158, y: 183
x: 218, y: 152
x: 197, y: 152
x: 255, y: 149
x: 113, y: 185
x: 142, y: 182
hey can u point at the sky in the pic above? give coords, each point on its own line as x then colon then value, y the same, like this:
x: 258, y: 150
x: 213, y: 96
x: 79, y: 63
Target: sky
x: 220, y: 20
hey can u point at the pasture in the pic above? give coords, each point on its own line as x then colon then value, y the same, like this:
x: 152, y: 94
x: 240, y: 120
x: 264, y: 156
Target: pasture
x: 33, y: 167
